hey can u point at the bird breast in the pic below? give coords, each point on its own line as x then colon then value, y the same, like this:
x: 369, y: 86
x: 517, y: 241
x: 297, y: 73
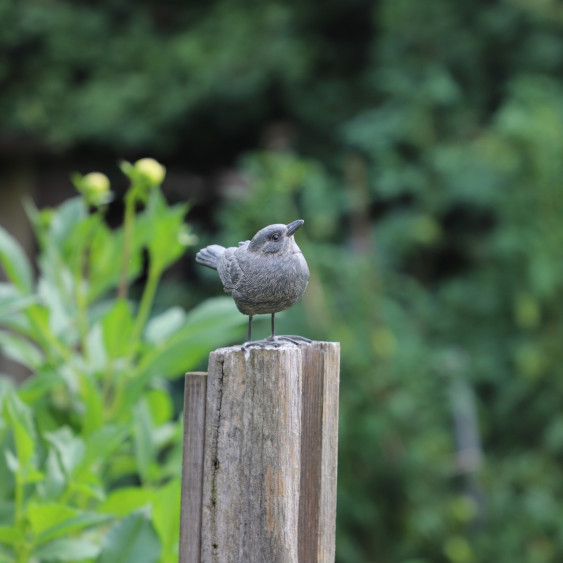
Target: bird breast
x: 270, y: 283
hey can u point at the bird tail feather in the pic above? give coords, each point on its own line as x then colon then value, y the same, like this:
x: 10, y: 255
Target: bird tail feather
x: 209, y: 255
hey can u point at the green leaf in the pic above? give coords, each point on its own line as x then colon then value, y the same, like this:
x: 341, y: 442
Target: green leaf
x: 165, y: 227
x: 44, y: 516
x: 70, y: 449
x: 11, y: 461
x: 103, y: 443
x: 55, y: 478
x: 131, y: 541
x: 67, y: 549
x: 36, y: 387
x: 166, y: 519
x: 6, y: 510
x: 12, y: 301
x: 117, y: 325
x: 11, y: 535
x: 37, y: 326
x: 88, y: 485
x: 142, y: 437
x: 21, y: 350
x: 71, y: 524
x: 93, y: 402
x: 56, y: 290
x: 122, y: 502
x: 15, y: 262
x: 21, y: 421
x: 70, y: 214
x: 214, y: 323
x: 97, y: 351
x: 104, y: 263
x: 160, y: 405
x: 162, y: 326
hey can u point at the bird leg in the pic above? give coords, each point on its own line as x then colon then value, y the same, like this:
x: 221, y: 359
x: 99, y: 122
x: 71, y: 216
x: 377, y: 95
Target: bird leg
x: 273, y: 326
x: 272, y: 340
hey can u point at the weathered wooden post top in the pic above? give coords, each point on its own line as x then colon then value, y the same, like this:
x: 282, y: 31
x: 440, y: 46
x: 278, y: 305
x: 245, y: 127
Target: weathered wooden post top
x: 260, y: 455
x: 261, y: 426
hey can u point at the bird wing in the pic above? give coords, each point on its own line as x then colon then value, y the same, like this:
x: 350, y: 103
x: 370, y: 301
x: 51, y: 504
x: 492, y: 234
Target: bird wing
x: 229, y: 269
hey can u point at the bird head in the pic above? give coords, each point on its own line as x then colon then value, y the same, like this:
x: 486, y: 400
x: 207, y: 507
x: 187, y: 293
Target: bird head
x: 276, y: 238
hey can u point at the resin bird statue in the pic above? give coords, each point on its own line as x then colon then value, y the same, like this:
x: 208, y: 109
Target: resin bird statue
x: 265, y: 275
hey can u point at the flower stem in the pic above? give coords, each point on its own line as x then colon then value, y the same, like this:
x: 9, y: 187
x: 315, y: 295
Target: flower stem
x: 127, y: 244
x: 146, y: 304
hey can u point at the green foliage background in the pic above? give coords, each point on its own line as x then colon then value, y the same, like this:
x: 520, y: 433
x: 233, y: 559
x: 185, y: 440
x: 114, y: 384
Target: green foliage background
x: 426, y: 160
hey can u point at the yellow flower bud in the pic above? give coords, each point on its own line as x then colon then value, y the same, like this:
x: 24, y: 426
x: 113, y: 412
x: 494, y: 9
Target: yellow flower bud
x: 94, y: 187
x: 96, y: 182
x: 151, y: 170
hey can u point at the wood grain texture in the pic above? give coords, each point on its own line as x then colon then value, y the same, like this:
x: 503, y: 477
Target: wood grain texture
x: 252, y: 456
x: 319, y: 452
x: 192, y: 466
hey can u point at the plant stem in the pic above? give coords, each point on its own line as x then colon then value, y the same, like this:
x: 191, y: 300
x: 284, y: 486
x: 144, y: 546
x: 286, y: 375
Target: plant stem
x: 81, y: 280
x: 22, y: 550
x: 155, y: 272
x: 146, y: 304
x: 81, y: 314
x: 127, y: 243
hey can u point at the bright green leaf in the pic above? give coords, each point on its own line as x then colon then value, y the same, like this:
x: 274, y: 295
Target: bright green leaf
x: 11, y: 461
x: 122, y: 502
x: 165, y: 226
x: 117, y: 326
x: 96, y: 349
x: 12, y: 301
x: 166, y: 519
x: 162, y: 326
x: 142, y: 436
x: 131, y: 541
x: 44, y: 516
x: 71, y: 213
x: 214, y: 323
x: 93, y: 402
x: 103, y: 443
x: 69, y: 448
x: 160, y: 405
x: 36, y: 387
x: 20, y: 350
x: 21, y: 422
x: 55, y: 479
x: 67, y: 549
x: 104, y: 264
x: 15, y: 262
x: 55, y: 289
x: 73, y: 524
x: 10, y: 535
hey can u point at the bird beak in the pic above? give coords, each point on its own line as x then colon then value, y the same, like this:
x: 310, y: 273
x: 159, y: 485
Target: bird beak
x: 292, y: 227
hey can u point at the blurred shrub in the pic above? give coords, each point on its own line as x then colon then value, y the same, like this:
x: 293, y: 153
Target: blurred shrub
x: 444, y: 293
x: 92, y: 445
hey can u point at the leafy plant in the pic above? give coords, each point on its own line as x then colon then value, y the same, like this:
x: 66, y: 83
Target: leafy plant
x: 91, y: 442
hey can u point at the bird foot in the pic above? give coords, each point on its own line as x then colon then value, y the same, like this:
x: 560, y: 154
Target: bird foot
x: 293, y: 338
x: 275, y: 341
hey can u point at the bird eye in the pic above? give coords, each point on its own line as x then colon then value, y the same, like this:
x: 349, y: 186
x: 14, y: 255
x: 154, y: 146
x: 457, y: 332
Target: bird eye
x: 275, y: 236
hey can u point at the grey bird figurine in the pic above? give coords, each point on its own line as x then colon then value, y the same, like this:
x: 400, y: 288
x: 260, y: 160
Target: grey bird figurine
x: 265, y: 275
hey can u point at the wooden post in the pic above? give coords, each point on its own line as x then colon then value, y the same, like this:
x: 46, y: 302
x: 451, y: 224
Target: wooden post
x: 195, y: 393
x: 269, y: 460
x: 319, y: 449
